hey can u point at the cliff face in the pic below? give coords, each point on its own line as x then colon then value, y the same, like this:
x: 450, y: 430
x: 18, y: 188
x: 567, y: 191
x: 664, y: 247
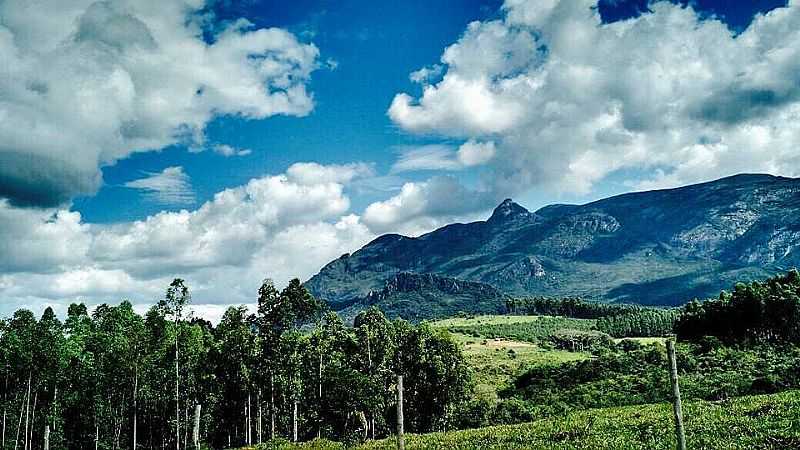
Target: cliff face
x: 655, y: 247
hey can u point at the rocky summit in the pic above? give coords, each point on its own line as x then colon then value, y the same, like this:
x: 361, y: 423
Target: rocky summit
x: 661, y: 247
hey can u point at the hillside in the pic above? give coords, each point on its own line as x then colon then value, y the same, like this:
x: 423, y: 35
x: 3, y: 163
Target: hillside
x: 416, y: 297
x: 764, y: 421
x: 660, y: 247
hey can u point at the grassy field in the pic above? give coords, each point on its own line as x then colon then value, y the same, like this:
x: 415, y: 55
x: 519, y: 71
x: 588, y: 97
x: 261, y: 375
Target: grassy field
x: 484, y: 320
x: 497, y: 360
x: 756, y: 422
x: 644, y: 340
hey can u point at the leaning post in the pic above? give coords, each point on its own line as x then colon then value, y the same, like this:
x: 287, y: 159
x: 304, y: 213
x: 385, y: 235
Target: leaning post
x: 680, y: 436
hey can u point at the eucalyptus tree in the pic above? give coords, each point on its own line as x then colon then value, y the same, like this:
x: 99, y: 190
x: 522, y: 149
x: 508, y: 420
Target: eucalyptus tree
x: 234, y: 356
x: 279, y: 313
x: 377, y: 347
x: 175, y: 300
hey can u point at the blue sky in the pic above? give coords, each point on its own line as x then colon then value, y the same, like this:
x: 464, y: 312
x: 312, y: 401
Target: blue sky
x: 375, y: 46
x: 228, y: 141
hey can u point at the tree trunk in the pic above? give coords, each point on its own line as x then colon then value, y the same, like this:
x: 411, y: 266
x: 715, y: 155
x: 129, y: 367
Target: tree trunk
x: 135, y: 391
x: 5, y: 403
x: 19, y: 422
x: 294, y: 422
x: 186, y: 426
x: 96, y: 435
x: 33, y: 419
x: 196, y: 430
x: 249, y: 420
x: 319, y: 398
x: 47, y: 437
x: 55, y: 404
x: 259, y: 416
x: 177, y: 391
x: 27, y: 411
x: 272, y: 406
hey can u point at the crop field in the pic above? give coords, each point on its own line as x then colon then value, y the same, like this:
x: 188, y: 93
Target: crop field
x: 754, y: 422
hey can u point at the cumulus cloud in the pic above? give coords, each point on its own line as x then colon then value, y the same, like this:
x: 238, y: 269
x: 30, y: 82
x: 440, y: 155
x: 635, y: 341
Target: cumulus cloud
x: 171, y: 186
x: 568, y: 100
x: 422, y: 206
x: 86, y: 83
x: 282, y: 226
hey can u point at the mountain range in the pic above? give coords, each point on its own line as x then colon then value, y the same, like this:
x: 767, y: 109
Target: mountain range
x: 660, y: 247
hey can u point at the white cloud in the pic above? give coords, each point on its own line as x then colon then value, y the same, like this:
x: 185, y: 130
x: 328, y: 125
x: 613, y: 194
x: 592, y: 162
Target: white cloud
x: 444, y: 157
x: 86, y: 83
x: 280, y: 226
x: 426, y: 157
x: 426, y: 74
x: 228, y: 151
x: 314, y: 173
x: 422, y: 206
x: 171, y: 186
x: 568, y: 100
x: 472, y: 153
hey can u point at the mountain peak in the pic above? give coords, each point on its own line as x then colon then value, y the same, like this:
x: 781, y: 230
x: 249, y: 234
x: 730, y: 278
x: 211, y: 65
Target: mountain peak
x: 508, y: 210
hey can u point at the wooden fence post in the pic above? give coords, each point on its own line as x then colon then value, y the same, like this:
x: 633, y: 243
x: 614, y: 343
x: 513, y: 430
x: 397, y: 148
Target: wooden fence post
x: 401, y: 444
x: 680, y: 436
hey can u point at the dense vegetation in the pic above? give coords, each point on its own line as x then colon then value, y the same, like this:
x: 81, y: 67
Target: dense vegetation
x: 535, y: 331
x: 114, y: 379
x: 617, y: 320
x: 757, y: 312
x: 763, y: 422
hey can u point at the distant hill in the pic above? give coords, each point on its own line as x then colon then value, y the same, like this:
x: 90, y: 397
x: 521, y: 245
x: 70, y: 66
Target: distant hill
x: 661, y: 247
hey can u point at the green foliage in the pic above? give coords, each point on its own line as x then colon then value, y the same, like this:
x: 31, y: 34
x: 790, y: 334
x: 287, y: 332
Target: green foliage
x: 639, y: 375
x: 766, y: 311
x: 92, y: 377
x: 767, y: 421
x: 534, y: 331
x: 641, y: 323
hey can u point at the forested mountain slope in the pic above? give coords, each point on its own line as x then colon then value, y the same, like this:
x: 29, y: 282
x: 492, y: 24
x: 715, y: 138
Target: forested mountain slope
x: 656, y: 247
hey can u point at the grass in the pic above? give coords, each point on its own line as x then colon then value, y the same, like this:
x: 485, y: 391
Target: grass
x: 483, y: 320
x: 755, y: 422
x: 644, y: 340
x: 496, y: 362
x: 500, y: 347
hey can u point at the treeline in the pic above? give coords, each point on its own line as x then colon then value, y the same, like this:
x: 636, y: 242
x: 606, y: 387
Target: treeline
x: 112, y: 379
x: 574, y: 307
x: 757, y: 312
x: 641, y: 323
x: 617, y: 320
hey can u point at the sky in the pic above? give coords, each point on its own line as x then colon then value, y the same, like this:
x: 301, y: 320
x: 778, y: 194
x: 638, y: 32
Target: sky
x: 226, y: 142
